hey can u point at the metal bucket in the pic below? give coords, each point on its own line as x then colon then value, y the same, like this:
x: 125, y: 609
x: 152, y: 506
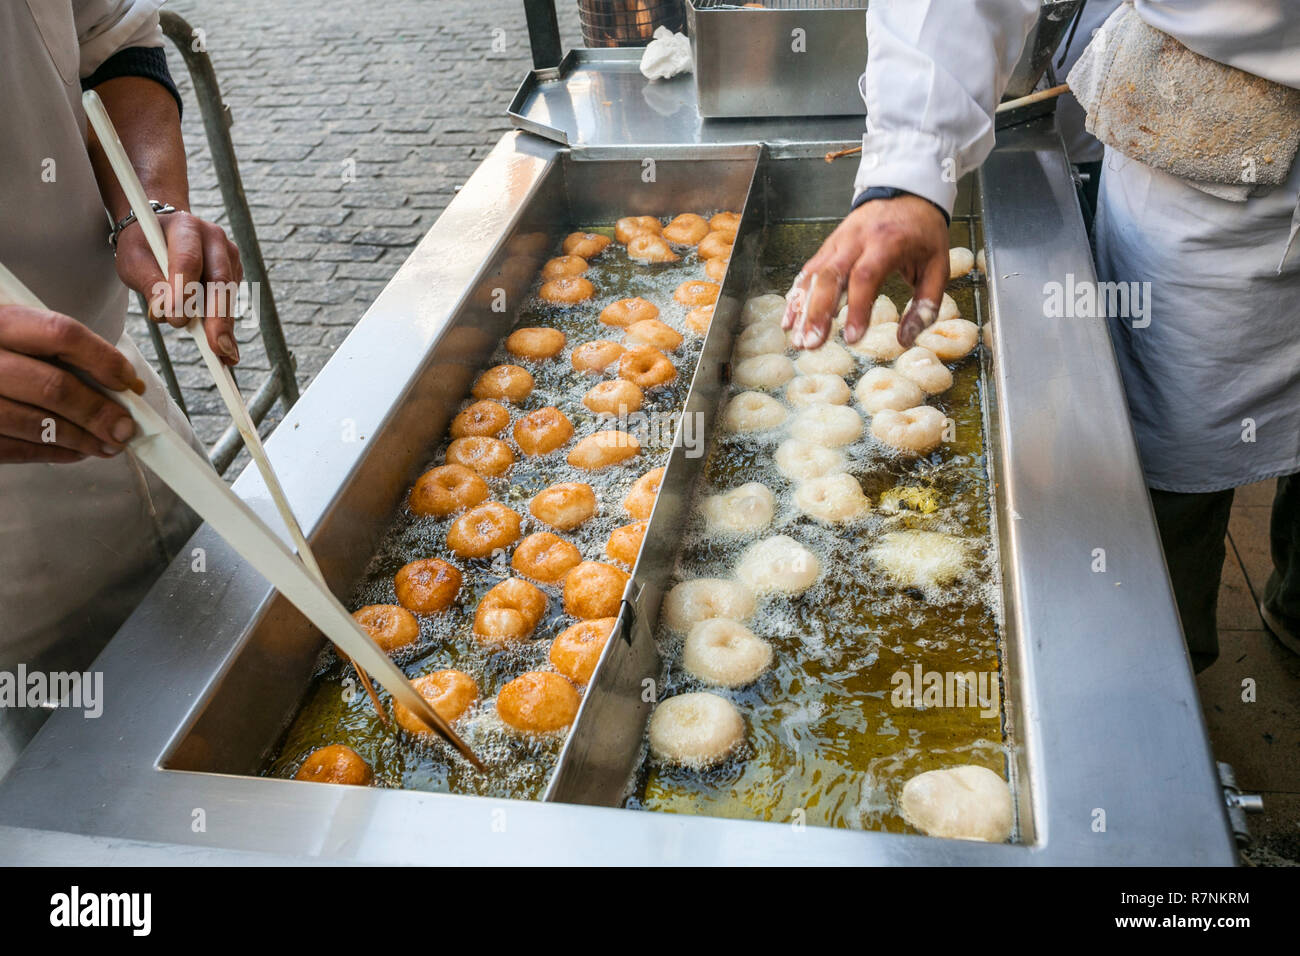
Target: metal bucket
x: 627, y: 22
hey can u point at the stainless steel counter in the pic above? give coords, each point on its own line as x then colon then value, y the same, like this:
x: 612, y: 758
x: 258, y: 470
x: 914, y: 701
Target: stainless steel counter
x: 1113, y: 760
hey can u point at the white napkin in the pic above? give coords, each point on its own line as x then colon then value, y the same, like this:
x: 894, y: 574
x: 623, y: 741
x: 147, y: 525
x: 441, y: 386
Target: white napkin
x: 666, y: 55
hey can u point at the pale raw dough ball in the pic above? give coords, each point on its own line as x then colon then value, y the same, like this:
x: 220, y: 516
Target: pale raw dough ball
x: 913, y: 431
x: 920, y: 559
x: 832, y: 499
x: 883, y: 388
x: 882, y: 310
x: 690, y: 602
x: 880, y: 344
x: 979, y: 261
x: 741, y: 510
x: 924, y: 368
x: 960, y: 262
x: 768, y: 308
x: 830, y: 359
x: 780, y: 564
x: 696, y: 730
x: 950, y: 339
x: 725, y: 653
x: 800, y: 460
x: 762, y: 338
x: 763, y: 371
x: 960, y: 803
x: 829, y: 425
x: 753, y: 412
x: 819, y: 389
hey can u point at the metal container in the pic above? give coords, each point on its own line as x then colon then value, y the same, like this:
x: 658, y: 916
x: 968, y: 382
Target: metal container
x: 1112, y: 757
x: 627, y: 22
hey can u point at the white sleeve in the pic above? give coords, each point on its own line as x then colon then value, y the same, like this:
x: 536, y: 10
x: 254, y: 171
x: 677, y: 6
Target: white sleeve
x: 106, y: 26
x: 1255, y: 37
x: 935, y: 72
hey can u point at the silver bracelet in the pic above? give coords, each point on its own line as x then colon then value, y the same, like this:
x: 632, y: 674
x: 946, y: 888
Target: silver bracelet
x: 159, y: 208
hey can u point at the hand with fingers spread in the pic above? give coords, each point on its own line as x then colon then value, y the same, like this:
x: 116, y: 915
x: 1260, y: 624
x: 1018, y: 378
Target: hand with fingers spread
x: 205, y: 272
x: 47, y: 413
x: 906, y: 234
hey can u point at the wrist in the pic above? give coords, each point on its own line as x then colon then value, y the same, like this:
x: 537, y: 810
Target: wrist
x: 892, y: 192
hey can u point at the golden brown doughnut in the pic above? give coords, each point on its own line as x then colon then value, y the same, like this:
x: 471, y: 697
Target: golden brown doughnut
x: 698, y: 319
x: 686, y: 229
x: 641, y: 496
x: 646, y: 366
x: 652, y: 332
x: 567, y: 290
x: 725, y: 222
x: 562, y: 266
x: 696, y: 292
x: 629, y: 227
x: 585, y: 244
x: 542, y: 431
x: 576, y: 651
x: 648, y: 248
x: 536, y: 343
x: 545, y: 557
x: 603, y: 449
x: 335, y: 764
x: 593, y: 590
x: 389, y: 625
x: 483, y: 530
x: 624, y: 312
x: 538, y: 702
x: 449, y: 693
x: 508, y: 612
x: 596, y: 356
x: 565, y: 505
x: 427, y: 585
x: 716, y: 245
x: 509, y: 383
x: 625, y: 543
x: 490, y: 457
x: 617, y: 396
x: 486, y: 418
x: 447, y: 489
x: 716, y: 269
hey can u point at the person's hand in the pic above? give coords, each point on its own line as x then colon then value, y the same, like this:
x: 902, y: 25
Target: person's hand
x: 197, y: 252
x: 46, y: 412
x: 907, y: 234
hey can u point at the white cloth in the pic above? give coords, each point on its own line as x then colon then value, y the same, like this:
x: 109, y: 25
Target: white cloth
x: 1220, y: 360
x: 667, y: 55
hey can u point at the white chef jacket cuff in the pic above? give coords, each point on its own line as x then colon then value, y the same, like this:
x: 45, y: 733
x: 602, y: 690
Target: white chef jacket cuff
x: 105, y: 27
x: 911, y: 160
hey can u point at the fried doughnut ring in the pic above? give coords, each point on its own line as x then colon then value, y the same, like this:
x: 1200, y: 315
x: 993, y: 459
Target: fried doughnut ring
x: 542, y: 431
x: 427, y: 586
x: 486, y: 418
x: 596, y: 356
x: 698, y: 319
x: 603, y: 449
x: 716, y: 245
x: 686, y: 229
x: 490, y: 457
x: 625, y: 543
x: 950, y: 339
x: 447, y: 489
x: 585, y: 244
x: 535, y: 343
x: 629, y: 227
x: 569, y: 290
x: 449, y: 693
x: 565, y: 505
x: 508, y: 612
x: 389, y: 625
x: 481, y: 531
x: 696, y: 292
x: 725, y: 222
x: 562, y: 266
x: 640, y: 499
x: 623, y: 312
x: 648, y: 248
x: 594, y: 590
x: 716, y: 269
x: 335, y: 764
x: 538, y: 702
x: 617, y: 396
x: 576, y: 651
x: 652, y: 332
x: 509, y: 383
x: 545, y: 557
x: 646, y: 367
x: 913, y: 431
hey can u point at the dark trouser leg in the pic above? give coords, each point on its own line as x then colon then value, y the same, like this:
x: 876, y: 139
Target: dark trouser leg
x: 1282, y: 593
x: 1192, y: 532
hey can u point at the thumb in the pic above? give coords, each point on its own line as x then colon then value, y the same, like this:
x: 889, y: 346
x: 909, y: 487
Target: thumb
x: 927, y: 295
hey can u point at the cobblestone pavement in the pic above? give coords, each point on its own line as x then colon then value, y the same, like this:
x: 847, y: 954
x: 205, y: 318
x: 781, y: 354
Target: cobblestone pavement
x: 413, y: 92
